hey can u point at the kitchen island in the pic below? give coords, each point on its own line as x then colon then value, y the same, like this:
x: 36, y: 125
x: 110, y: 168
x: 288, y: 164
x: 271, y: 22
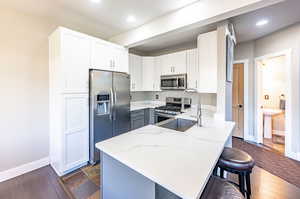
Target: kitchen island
x: 138, y: 164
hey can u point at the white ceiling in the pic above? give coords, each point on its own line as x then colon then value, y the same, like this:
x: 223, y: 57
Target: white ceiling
x: 111, y: 14
x: 280, y: 16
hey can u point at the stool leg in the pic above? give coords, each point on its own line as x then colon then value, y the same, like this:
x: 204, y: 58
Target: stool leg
x: 248, y: 185
x: 222, y: 173
x: 242, y: 183
x: 215, y: 172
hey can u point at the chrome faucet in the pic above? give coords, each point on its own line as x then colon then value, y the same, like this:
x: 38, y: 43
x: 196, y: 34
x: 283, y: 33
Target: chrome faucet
x: 199, y: 108
x: 199, y: 114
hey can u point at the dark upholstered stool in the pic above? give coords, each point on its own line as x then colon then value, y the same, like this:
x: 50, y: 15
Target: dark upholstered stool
x: 237, y: 162
x: 218, y: 188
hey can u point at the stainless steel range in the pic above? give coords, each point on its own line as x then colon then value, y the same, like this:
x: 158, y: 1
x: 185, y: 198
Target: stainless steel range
x: 173, y: 107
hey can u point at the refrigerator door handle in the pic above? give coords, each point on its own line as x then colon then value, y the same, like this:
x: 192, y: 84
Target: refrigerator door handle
x: 115, y: 102
x: 112, y: 103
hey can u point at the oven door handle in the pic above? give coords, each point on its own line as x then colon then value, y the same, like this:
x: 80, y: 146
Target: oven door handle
x: 164, y: 115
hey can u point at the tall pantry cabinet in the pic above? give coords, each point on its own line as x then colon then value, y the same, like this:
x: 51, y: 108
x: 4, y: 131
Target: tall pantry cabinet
x: 71, y: 55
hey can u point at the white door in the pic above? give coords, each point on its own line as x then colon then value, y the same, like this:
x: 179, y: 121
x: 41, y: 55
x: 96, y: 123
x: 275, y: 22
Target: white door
x: 192, y: 69
x: 76, y: 130
x: 75, y: 61
x: 102, y: 55
x: 259, y: 102
x: 148, y: 73
x: 178, y: 61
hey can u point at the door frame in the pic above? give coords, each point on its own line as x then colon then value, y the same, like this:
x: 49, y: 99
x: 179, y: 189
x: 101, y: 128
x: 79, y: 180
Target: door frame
x: 288, y: 126
x: 247, y: 135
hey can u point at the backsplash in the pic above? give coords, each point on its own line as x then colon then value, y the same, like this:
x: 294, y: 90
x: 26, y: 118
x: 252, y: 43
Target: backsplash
x: 206, y: 98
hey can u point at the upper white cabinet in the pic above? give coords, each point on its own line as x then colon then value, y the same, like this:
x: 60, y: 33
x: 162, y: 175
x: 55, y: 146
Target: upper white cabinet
x: 70, y: 60
x: 148, y: 77
x: 107, y: 56
x: 208, y: 62
x: 192, y: 69
x: 174, y: 63
x: 157, y: 73
x: 135, y: 70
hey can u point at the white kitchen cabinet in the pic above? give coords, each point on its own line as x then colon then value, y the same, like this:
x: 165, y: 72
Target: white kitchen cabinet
x: 148, y: 65
x: 192, y: 69
x: 173, y: 64
x: 208, y: 62
x: 157, y: 73
x: 69, y: 61
x: 135, y: 71
x: 120, y: 59
x: 74, y: 72
x: 107, y: 56
x: 75, y: 145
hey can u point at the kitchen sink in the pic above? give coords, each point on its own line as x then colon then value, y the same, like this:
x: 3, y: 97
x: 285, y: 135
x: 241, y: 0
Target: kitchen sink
x: 181, y: 125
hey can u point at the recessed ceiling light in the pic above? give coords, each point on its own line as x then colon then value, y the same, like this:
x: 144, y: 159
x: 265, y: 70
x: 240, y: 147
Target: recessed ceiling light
x: 95, y: 1
x: 131, y: 19
x: 262, y: 22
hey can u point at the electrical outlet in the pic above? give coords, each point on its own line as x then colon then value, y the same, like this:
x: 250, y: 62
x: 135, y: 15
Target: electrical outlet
x: 157, y: 97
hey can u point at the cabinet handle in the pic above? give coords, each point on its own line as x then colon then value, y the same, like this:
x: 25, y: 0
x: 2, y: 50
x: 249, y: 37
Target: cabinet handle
x: 196, y: 83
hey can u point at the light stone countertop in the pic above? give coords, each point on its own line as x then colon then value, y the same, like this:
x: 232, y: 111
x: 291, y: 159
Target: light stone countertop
x: 139, y: 105
x: 181, y: 162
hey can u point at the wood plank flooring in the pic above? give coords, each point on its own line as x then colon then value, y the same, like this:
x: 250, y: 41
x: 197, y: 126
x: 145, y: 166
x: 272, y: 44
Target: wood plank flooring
x: 39, y: 184
x: 268, y: 186
x: 45, y: 184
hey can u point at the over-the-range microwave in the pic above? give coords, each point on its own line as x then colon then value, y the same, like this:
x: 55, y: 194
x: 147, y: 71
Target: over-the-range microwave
x: 173, y: 82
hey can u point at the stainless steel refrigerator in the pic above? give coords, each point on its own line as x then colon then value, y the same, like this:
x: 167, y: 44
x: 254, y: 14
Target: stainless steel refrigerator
x: 109, y: 107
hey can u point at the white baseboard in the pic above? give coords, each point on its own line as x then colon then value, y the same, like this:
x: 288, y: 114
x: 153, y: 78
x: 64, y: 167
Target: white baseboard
x: 293, y: 155
x: 25, y: 168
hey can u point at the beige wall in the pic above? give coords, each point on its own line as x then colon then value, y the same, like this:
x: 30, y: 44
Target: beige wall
x: 288, y: 38
x: 24, y: 86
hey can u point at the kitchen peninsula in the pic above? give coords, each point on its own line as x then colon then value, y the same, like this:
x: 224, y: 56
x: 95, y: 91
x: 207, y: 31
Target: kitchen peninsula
x: 141, y: 163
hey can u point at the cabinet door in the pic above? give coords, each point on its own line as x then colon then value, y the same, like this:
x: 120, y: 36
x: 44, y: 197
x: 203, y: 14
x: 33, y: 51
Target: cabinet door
x: 192, y: 69
x: 166, y: 65
x: 75, y: 62
x: 102, y: 55
x: 148, y: 73
x: 76, y: 130
x: 157, y: 73
x: 120, y: 59
x: 208, y: 62
x: 135, y: 70
x: 178, y: 61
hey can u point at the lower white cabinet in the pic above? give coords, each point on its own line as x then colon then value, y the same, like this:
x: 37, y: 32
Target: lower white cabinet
x: 69, y: 136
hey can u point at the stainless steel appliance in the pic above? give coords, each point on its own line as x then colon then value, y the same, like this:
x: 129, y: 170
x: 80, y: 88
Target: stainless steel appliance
x: 173, y: 82
x: 109, y: 107
x: 173, y: 107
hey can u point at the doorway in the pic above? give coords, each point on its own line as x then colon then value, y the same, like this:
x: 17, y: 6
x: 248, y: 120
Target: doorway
x: 238, y: 99
x: 272, y: 101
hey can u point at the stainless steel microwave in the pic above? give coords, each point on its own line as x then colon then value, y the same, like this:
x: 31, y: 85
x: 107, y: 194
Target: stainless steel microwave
x: 173, y: 82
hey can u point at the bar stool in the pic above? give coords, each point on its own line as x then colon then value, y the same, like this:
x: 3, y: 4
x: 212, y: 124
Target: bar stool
x: 218, y: 188
x: 238, y: 162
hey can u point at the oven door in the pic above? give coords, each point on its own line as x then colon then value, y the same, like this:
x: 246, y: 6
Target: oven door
x: 169, y: 83
x: 160, y: 117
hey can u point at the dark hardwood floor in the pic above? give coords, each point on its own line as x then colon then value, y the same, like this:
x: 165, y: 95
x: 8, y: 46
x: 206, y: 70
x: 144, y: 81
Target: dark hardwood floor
x: 45, y: 184
x: 268, y: 186
x: 39, y: 184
